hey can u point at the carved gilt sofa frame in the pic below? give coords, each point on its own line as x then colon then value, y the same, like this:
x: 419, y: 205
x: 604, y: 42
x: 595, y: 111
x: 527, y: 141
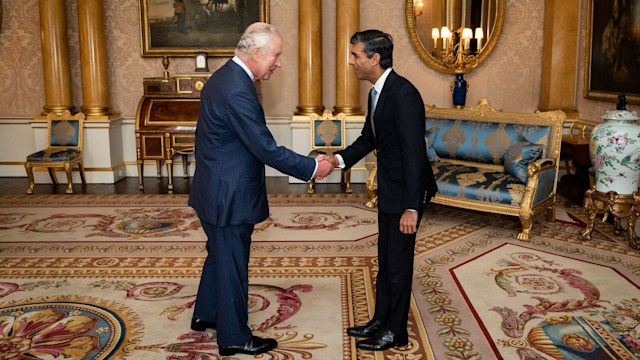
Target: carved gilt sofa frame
x: 471, y: 146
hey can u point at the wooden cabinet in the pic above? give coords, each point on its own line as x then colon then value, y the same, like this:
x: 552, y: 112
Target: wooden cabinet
x: 166, y: 121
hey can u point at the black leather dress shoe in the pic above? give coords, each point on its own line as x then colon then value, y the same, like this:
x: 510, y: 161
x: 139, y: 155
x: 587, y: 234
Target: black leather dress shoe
x: 382, y: 340
x: 365, y: 331
x: 255, y: 345
x: 201, y: 325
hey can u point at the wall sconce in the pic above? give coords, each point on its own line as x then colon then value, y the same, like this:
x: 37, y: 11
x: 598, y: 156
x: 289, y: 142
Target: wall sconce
x: 417, y: 7
x: 456, y: 47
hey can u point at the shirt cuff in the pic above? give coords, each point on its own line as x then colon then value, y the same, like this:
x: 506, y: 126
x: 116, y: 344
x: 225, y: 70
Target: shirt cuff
x: 314, y: 171
x: 340, y: 161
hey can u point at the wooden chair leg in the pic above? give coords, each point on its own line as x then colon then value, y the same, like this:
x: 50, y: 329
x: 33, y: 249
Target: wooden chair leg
x: 32, y: 182
x: 346, y: 175
x: 312, y: 184
x: 81, y: 168
x: 67, y: 170
x: 52, y: 174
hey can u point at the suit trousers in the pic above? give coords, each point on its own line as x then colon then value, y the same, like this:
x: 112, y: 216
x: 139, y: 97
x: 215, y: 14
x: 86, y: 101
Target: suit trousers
x: 395, y: 275
x: 224, y: 286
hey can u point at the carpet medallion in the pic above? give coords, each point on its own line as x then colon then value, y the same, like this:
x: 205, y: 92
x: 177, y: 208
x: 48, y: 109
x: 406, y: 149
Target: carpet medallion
x: 115, y: 277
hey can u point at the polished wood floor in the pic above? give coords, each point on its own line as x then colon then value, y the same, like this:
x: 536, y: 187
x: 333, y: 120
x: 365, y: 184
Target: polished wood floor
x: 152, y: 185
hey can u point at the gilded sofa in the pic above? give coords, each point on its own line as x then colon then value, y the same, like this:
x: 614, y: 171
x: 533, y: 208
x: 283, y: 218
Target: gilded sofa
x: 494, y: 161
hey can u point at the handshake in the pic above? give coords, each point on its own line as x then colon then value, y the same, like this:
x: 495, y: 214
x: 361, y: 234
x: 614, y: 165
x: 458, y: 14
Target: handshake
x: 326, y: 164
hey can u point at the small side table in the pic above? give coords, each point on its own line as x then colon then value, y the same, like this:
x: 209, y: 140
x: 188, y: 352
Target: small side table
x: 621, y: 206
x: 573, y: 186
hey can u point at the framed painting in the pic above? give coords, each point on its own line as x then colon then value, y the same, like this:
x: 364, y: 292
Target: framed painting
x: 612, y: 59
x: 187, y: 27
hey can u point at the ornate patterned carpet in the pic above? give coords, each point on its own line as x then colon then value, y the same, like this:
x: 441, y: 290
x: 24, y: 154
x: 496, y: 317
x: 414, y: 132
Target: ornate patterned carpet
x: 114, y: 277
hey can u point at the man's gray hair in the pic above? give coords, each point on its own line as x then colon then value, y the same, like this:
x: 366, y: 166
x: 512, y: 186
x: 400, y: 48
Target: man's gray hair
x: 257, y: 35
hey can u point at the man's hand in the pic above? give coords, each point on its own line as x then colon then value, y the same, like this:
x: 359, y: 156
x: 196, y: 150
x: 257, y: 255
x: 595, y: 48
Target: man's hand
x: 324, y: 169
x: 332, y: 159
x: 408, y: 222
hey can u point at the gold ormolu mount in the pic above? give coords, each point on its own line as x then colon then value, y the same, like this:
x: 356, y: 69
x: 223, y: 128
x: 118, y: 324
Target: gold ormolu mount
x: 621, y: 206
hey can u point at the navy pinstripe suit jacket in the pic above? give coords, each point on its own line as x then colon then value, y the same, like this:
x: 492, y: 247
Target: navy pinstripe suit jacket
x: 233, y: 144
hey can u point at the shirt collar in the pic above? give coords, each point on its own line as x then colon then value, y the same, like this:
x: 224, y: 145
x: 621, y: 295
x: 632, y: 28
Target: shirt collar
x: 381, y: 80
x: 242, y: 65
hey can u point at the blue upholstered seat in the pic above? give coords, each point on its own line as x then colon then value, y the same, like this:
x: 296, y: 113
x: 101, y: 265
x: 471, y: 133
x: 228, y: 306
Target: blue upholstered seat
x: 64, y: 149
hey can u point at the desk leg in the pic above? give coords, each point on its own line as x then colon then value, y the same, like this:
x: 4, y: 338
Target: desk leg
x: 185, y: 166
x: 140, y: 174
x: 170, y: 175
x: 158, y: 169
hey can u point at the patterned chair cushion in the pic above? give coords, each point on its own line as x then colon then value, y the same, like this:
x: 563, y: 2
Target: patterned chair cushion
x: 429, y: 139
x: 518, y: 157
x: 54, y: 155
x: 478, y: 184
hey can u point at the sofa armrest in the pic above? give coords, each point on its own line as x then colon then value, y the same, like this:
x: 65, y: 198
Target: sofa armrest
x: 542, y: 179
x: 540, y: 165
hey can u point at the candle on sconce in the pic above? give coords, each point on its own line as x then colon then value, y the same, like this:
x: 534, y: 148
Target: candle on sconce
x: 446, y: 35
x: 435, y: 35
x: 479, y: 37
x: 467, y: 35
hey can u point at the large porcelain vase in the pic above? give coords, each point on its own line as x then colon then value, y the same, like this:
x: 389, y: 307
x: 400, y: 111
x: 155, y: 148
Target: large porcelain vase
x: 615, y: 152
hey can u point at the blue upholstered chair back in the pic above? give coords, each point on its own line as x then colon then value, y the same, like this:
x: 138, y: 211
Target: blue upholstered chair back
x: 65, y: 133
x: 485, y: 142
x: 327, y: 132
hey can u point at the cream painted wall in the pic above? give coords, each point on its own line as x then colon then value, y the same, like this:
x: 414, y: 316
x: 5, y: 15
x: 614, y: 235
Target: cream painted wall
x: 510, y: 77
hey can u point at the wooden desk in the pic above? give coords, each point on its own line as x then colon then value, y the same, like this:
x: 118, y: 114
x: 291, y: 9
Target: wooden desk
x: 166, y: 121
x: 573, y: 186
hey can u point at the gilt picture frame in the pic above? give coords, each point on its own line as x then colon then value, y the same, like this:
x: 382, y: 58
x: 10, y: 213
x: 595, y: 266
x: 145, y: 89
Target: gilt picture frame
x: 612, y: 58
x: 187, y: 27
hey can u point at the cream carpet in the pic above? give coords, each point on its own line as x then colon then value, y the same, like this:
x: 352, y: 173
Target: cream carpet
x: 115, y: 276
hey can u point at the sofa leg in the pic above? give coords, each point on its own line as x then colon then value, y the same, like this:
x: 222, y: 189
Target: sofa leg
x: 527, y: 224
x: 551, y: 213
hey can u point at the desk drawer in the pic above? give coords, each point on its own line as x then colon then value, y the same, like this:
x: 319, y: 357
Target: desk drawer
x: 151, y: 146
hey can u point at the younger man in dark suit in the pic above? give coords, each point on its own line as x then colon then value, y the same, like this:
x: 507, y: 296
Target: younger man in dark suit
x: 395, y: 128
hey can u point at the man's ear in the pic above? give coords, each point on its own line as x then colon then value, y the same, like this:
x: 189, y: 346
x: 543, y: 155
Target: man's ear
x: 255, y: 53
x: 375, y: 59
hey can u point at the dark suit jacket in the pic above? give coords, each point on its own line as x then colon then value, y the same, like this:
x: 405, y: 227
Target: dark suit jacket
x: 405, y: 178
x: 233, y: 144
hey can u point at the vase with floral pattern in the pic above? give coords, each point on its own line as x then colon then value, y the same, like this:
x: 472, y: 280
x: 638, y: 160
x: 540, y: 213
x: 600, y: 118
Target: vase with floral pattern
x: 615, y: 152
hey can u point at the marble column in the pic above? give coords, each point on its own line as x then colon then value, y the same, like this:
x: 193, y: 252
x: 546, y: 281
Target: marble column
x: 93, y: 58
x: 309, y: 57
x: 55, y: 57
x: 347, y: 84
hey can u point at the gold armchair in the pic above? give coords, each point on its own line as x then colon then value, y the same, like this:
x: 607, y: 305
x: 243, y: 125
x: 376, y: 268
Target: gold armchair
x: 327, y: 136
x: 64, y: 148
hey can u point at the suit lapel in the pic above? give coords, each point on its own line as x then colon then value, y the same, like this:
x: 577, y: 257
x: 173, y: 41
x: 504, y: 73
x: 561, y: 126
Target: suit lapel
x: 382, y: 99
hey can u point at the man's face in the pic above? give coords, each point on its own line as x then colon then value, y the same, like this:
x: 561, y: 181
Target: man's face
x: 268, y: 60
x: 362, y: 66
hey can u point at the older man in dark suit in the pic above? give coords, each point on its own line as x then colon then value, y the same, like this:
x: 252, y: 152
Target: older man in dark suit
x: 395, y: 128
x: 233, y: 144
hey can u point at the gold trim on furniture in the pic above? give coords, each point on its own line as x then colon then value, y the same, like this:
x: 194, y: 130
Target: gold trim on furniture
x: 484, y: 112
x: 62, y: 132
x: 328, y: 127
